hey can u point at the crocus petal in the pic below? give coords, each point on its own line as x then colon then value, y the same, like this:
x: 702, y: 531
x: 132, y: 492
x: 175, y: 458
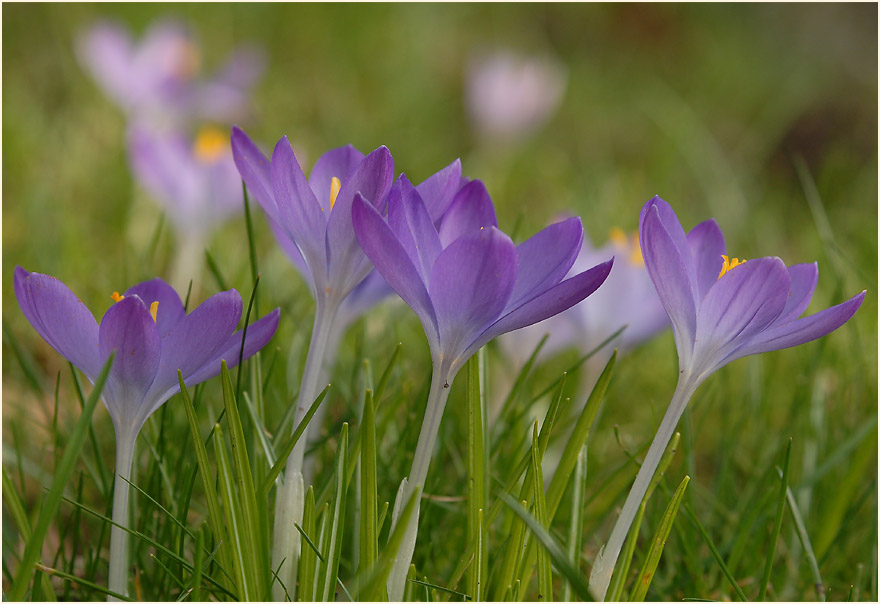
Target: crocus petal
x: 742, y: 303
x: 470, y: 211
x: 412, y: 225
x: 391, y: 260
x: 254, y: 169
x: 60, y: 318
x: 545, y: 258
x: 170, y: 309
x: 802, y: 330
x: 299, y: 212
x: 258, y: 335
x: 553, y: 301
x: 288, y: 246
x: 804, y: 278
x: 439, y: 189
x: 669, y: 273
x: 197, y: 339
x: 106, y: 51
x: 470, y: 285
x: 128, y: 329
x: 675, y: 232
x: 336, y: 163
x: 707, y: 246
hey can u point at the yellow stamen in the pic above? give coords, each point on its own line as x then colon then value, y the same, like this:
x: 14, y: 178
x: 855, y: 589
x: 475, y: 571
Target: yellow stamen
x: 211, y: 144
x: 154, y: 308
x: 729, y: 264
x: 635, y: 256
x: 116, y: 297
x: 618, y: 237
x: 335, y: 185
x: 628, y: 244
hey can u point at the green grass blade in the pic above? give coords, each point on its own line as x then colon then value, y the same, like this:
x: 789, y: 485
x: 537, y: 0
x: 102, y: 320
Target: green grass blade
x: 557, y: 555
x: 386, y: 375
x: 242, y: 565
x: 369, y: 535
x: 309, y: 555
x: 545, y: 572
x: 53, y: 499
x: 25, y: 360
x: 254, y: 546
x: 568, y: 461
x: 282, y: 456
x: 476, y: 478
x: 80, y: 581
x: 215, y: 515
x: 715, y: 553
x: 576, y: 522
x: 252, y: 249
x: 804, y: 538
x: 374, y: 585
x: 621, y: 572
x: 337, y: 521
x: 640, y: 589
x: 215, y: 272
x: 777, y: 524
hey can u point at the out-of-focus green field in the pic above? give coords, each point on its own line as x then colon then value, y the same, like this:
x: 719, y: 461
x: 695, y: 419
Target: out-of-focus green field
x: 739, y: 112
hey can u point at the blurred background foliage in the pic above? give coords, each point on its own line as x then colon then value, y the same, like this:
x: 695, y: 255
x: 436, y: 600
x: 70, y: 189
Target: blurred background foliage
x: 712, y: 107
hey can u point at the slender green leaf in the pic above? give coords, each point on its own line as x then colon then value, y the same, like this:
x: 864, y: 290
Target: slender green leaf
x: 288, y: 447
x: 549, y: 543
x: 545, y: 572
x: 369, y: 536
x: 476, y: 477
x: 308, y: 556
x: 374, y: 584
x: 777, y: 524
x: 640, y: 589
x: 53, y: 499
x: 576, y: 520
x: 337, y: 524
x: 215, y: 515
x: 253, y: 544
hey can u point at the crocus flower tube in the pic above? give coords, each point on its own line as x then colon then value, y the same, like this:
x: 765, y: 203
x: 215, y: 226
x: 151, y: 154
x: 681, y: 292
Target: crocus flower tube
x: 721, y: 309
x: 158, y: 78
x: 194, y: 180
x: 468, y: 283
x: 153, y: 338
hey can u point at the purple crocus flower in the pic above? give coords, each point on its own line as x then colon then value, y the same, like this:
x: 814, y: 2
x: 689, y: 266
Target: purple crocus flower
x: 721, y: 310
x: 158, y: 78
x: 313, y: 222
x: 153, y: 338
x: 468, y: 283
x: 194, y: 180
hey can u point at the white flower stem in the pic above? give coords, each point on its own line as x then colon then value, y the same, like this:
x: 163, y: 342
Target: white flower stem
x: 289, y: 498
x: 118, y: 575
x: 437, y: 397
x: 188, y: 257
x: 603, y: 568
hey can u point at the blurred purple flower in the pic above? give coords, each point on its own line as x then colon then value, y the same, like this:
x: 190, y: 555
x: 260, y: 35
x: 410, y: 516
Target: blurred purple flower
x: 627, y: 298
x: 468, y: 283
x: 721, y: 310
x: 153, y: 337
x: 195, y: 181
x: 509, y: 95
x: 159, y: 78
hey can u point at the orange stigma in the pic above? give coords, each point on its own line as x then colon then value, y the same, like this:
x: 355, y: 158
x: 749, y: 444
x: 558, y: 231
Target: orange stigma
x: 116, y: 297
x: 729, y: 264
